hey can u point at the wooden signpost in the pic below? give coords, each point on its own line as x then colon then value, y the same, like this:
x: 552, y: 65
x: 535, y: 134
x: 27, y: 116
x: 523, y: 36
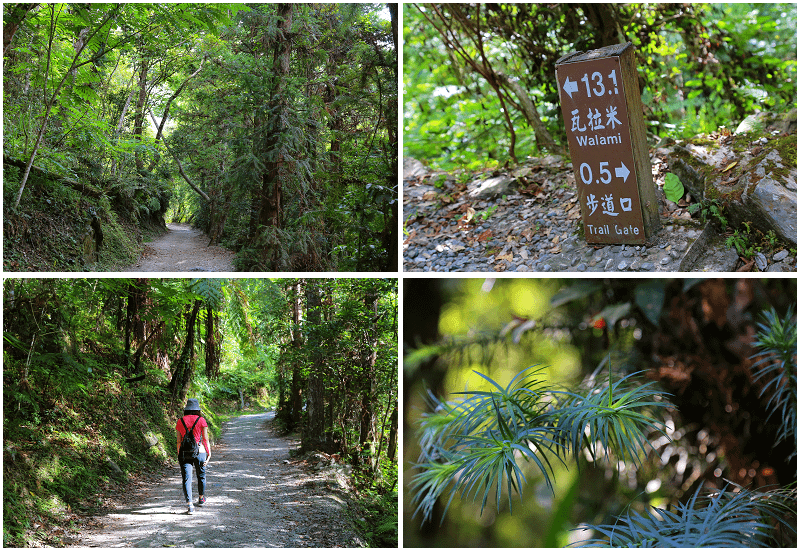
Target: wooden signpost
x: 602, y: 109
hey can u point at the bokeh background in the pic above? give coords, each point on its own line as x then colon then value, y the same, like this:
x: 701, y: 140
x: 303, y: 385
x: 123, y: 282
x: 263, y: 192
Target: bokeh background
x: 693, y: 336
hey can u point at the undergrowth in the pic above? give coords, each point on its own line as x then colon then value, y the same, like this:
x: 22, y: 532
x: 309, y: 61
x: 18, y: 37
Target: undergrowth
x: 46, y: 231
x: 60, y: 441
x: 378, y: 507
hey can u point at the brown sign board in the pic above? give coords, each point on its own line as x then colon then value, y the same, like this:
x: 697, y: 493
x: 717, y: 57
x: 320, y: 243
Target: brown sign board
x: 602, y: 112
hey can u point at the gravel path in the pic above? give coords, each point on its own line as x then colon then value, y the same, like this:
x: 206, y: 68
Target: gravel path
x: 183, y: 248
x: 257, y: 497
x: 529, y: 222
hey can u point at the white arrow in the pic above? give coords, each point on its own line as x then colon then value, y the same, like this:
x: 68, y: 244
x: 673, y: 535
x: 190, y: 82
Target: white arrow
x: 570, y: 87
x: 622, y: 171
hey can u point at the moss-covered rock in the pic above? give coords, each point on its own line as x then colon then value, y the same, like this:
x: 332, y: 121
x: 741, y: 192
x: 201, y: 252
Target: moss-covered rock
x: 754, y: 177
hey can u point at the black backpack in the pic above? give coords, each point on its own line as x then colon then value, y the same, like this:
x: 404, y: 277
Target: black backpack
x: 190, y: 447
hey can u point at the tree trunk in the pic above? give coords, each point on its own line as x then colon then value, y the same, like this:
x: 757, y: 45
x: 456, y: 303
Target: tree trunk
x: 138, y: 118
x: 184, y: 368
x: 543, y: 138
x: 166, y: 110
x: 15, y: 17
x: 369, y: 355
x: 271, y: 213
x: 213, y: 339
x: 313, y: 436
x: 134, y: 326
x: 295, y: 401
x: 392, y: 447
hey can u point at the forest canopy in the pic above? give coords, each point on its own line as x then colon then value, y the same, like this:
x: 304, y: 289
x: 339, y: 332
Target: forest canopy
x: 322, y: 353
x: 272, y: 127
x: 479, y: 79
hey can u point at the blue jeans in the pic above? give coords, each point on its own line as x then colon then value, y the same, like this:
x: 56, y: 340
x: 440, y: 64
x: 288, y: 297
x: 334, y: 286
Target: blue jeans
x: 186, y: 474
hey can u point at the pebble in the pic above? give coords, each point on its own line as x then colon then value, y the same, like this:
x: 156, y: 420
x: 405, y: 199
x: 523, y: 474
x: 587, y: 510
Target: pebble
x: 780, y: 256
x: 551, y: 242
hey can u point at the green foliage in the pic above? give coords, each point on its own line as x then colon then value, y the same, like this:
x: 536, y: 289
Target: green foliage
x: 742, y: 242
x: 707, y: 66
x: 721, y: 519
x: 478, y: 442
x: 710, y: 210
x: 378, y: 520
x: 673, y: 187
x: 776, y: 363
x: 328, y: 120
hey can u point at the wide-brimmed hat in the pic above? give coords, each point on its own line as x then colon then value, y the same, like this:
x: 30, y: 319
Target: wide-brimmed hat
x: 192, y: 405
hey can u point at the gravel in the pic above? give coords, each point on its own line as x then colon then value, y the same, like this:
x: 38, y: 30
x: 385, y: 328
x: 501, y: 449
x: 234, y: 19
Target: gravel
x: 183, y: 248
x: 257, y: 496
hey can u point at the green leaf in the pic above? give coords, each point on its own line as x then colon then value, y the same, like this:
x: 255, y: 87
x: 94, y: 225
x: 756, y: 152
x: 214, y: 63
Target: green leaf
x: 650, y: 299
x: 673, y: 187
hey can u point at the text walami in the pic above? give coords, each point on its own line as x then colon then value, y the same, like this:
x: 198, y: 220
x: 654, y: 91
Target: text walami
x: 595, y: 140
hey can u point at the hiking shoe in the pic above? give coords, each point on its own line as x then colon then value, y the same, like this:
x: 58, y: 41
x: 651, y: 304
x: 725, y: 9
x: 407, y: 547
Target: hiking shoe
x: 201, y: 500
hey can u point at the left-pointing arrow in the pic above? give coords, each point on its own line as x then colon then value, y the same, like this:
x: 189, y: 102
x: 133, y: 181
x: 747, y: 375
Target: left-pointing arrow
x: 570, y: 87
x: 622, y: 172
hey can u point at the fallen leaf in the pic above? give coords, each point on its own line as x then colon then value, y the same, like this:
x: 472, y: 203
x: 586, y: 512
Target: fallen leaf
x: 485, y: 235
x: 556, y: 239
x: 527, y: 233
x: 468, y: 215
x: 731, y: 166
x: 430, y: 195
x: 747, y: 267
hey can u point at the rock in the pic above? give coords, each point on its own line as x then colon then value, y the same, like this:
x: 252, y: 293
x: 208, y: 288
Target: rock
x: 761, y: 261
x: 756, y: 184
x: 788, y: 124
x: 755, y: 122
x: 778, y: 205
x: 116, y: 472
x: 780, y: 256
x: 493, y: 187
x: 413, y: 168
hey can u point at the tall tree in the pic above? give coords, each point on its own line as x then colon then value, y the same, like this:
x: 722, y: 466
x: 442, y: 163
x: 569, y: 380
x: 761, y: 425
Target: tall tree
x: 184, y: 367
x: 313, y: 434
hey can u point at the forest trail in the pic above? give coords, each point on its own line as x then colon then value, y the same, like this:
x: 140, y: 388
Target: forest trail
x: 183, y: 248
x: 256, y: 498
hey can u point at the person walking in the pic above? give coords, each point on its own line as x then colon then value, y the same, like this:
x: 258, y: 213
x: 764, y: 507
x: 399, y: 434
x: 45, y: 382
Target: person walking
x: 193, y: 452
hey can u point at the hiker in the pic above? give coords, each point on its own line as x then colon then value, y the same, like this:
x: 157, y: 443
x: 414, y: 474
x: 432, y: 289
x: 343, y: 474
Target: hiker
x: 196, y: 451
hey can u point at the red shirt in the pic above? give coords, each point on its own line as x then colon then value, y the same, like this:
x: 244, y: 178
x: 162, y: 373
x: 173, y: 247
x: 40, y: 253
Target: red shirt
x: 198, y: 429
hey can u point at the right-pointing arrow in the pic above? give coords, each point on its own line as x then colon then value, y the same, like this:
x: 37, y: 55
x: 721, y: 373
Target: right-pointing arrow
x: 570, y: 87
x: 622, y: 172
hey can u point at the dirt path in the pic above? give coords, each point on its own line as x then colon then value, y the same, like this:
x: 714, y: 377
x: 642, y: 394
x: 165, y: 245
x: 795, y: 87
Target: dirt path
x: 257, y: 497
x: 183, y: 248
